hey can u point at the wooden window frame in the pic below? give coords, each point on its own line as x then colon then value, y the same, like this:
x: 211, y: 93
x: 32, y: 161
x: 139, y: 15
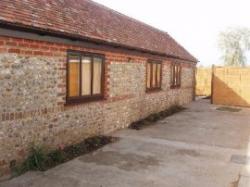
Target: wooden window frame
x: 91, y: 97
x: 177, y: 83
x: 156, y: 88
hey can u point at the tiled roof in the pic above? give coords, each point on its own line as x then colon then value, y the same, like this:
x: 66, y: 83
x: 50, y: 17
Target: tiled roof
x: 85, y: 18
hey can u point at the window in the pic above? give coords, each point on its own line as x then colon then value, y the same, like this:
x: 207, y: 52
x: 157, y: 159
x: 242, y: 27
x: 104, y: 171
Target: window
x: 153, y: 75
x: 175, y: 76
x: 84, y: 77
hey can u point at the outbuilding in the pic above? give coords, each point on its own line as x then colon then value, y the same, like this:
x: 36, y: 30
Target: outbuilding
x: 70, y: 69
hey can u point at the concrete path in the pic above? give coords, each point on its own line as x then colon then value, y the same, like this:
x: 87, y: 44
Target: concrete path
x: 199, y: 147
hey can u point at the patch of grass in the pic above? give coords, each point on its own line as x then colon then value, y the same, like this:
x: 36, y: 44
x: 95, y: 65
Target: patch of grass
x: 228, y: 109
x: 40, y: 160
x: 155, y: 117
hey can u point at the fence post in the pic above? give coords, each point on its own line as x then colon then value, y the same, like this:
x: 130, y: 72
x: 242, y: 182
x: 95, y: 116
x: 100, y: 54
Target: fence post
x: 212, y: 84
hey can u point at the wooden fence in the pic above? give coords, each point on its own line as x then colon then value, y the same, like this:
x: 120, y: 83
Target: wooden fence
x: 229, y: 85
x: 203, y: 81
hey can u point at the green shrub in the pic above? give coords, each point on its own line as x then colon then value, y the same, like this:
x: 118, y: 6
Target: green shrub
x: 35, y: 161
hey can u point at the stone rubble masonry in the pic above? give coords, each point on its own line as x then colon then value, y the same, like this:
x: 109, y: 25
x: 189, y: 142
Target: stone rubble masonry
x: 33, y: 97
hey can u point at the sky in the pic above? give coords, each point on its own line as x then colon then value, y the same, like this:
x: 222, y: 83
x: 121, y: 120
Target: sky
x: 195, y: 24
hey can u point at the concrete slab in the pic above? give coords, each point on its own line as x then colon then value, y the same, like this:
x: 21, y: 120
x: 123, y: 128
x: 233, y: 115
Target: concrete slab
x: 244, y: 182
x: 193, y: 148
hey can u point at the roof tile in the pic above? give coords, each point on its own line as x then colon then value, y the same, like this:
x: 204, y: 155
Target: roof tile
x: 89, y: 19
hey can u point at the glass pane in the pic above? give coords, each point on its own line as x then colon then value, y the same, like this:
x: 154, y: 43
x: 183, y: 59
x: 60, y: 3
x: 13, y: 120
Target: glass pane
x: 179, y: 75
x: 176, y: 75
x: 148, y: 74
x: 74, y: 75
x: 97, y: 75
x: 154, y: 76
x: 158, y: 75
x: 86, y: 76
x: 173, y: 75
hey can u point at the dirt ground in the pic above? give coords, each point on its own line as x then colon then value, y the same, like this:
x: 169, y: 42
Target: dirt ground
x: 199, y: 147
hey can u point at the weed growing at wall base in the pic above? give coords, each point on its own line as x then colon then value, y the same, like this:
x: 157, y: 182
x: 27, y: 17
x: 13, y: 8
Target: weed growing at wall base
x: 39, y: 160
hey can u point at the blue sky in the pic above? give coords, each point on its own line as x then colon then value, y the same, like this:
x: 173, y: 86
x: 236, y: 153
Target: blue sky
x: 195, y: 24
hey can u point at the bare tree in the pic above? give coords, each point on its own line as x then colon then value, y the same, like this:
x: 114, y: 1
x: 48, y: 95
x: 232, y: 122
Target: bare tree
x: 233, y: 43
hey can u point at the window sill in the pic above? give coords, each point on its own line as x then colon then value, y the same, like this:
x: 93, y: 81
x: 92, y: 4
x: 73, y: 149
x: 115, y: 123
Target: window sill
x: 175, y: 87
x: 153, y: 90
x: 84, y: 100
